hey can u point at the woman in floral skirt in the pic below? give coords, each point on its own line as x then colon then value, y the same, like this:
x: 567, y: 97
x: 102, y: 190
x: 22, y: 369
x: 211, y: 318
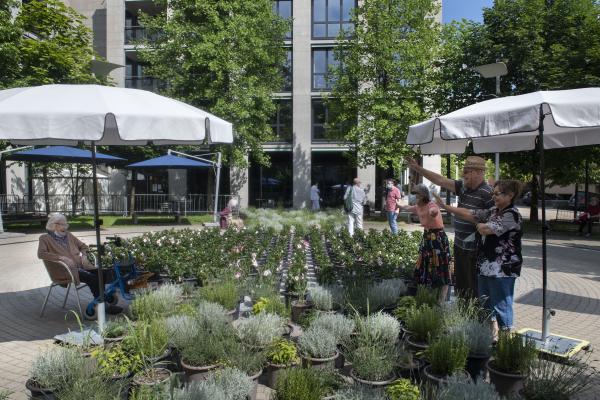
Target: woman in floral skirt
x: 432, y: 268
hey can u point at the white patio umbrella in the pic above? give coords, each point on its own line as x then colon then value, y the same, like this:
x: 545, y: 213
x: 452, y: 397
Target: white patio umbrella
x: 101, y: 115
x: 552, y: 119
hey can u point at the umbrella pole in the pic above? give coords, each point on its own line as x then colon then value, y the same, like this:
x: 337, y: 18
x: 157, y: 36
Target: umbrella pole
x: 100, y: 307
x: 546, y: 312
x: 217, y: 183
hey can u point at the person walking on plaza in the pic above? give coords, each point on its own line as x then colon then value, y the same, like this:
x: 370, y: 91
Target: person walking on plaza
x: 60, y: 245
x: 392, y: 197
x: 473, y: 193
x: 354, y: 201
x: 589, y: 216
x: 499, y: 257
x: 432, y: 268
x: 315, y: 197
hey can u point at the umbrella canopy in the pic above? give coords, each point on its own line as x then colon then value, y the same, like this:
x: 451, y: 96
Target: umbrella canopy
x: 63, y: 154
x: 67, y: 114
x: 170, y: 162
x: 512, y: 123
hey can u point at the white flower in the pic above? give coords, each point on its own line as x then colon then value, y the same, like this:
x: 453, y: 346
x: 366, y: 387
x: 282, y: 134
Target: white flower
x: 266, y: 272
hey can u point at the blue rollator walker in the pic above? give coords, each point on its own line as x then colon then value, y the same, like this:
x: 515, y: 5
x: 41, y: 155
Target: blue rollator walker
x: 124, y: 271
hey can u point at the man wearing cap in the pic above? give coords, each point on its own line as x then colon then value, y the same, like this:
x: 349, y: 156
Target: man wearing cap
x: 473, y: 193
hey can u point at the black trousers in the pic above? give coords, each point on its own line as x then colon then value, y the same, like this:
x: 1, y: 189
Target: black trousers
x: 90, y: 277
x: 465, y: 272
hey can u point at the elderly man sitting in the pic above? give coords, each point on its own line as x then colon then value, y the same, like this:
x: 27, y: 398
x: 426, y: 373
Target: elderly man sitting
x: 60, y: 245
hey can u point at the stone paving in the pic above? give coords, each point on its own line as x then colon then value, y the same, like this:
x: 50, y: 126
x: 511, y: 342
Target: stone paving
x: 573, y: 284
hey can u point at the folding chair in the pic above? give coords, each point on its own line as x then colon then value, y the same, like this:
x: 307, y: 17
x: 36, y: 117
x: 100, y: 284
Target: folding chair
x: 61, y: 275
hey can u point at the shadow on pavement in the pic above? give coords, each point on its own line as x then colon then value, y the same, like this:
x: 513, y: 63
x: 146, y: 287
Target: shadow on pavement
x: 561, y: 301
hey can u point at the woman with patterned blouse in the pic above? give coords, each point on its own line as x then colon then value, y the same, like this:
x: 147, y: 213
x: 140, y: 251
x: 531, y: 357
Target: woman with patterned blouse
x: 499, y: 257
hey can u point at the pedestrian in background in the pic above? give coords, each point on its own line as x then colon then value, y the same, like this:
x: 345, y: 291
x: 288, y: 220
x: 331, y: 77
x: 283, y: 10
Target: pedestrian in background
x: 591, y: 214
x: 315, y: 197
x: 392, y: 197
x: 354, y: 201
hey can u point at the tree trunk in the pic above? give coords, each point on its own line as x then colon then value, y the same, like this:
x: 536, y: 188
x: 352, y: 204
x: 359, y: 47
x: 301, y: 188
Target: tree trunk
x: 533, y: 211
x: 46, y: 193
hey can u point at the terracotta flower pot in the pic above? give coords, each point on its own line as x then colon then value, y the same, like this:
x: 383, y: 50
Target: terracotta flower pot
x: 274, y: 372
x: 415, y: 346
x: 436, y: 380
x: 506, y: 384
x: 374, y: 384
x: 254, y: 378
x: 319, y: 363
x: 196, y: 373
x: 159, y: 376
x: 298, y: 309
x: 412, y: 371
x: 38, y: 392
x: 476, y: 366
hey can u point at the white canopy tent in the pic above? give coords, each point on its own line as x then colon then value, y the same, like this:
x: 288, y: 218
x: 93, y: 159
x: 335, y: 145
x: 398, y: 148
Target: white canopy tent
x: 101, y: 115
x: 550, y: 120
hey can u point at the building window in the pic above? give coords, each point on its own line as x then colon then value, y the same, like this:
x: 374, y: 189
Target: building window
x: 322, y: 115
x: 283, y: 8
x: 329, y: 17
x: 282, y: 121
x: 322, y: 62
x: 135, y: 77
x: 287, y: 72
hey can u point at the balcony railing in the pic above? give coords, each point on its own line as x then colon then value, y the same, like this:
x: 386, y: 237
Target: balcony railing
x: 144, y: 83
x: 135, y: 34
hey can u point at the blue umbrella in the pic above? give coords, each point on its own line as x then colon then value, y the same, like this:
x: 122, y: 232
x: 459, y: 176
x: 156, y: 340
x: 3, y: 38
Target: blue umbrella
x: 170, y: 162
x: 62, y: 154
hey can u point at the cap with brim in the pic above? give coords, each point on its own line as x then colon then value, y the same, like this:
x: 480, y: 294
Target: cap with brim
x: 474, y: 162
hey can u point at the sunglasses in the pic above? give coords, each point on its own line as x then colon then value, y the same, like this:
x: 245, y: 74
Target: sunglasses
x: 498, y: 194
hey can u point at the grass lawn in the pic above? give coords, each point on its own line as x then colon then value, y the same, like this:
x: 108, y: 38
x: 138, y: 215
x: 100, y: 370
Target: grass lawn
x: 83, y: 222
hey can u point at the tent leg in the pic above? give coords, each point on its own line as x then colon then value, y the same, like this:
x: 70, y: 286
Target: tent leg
x: 546, y: 312
x: 216, y: 216
x: 100, y: 307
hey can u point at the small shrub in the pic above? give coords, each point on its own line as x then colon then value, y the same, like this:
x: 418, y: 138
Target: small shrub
x: 378, y: 328
x: 115, y: 361
x: 458, y: 389
x: 548, y: 380
x: 322, y: 298
x: 406, y: 305
x: 92, y: 388
x: 425, y: 323
x: 426, y: 296
x: 359, y: 393
x: 181, y: 329
x: 283, y: 352
x: 447, y: 355
x: 271, y: 305
x: 211, y: 316
x: 224, y: 293
x: 162, y: 302
x: 385, y: 293
x: 461, y: 311
x: 478, y: 336
x: 260, y: 330
x: 373, y: 363
x: 115, y: 328
x: 403, y: 389
x: 207, y: 349
x: 340, y: 326
x: 237, y: 355
x: 300, y: 384
x: 233, y: 383
x: 317, y: 343
x: 59, y: 367
x: 147, y: 339
x: 514, y: 353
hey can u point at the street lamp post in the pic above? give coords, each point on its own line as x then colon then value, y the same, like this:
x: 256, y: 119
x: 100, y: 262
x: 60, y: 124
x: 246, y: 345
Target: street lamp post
x: 494, y: 70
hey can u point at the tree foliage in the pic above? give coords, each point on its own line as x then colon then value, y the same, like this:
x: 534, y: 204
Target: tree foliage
x: 224, y: 56
x: 382, y: 76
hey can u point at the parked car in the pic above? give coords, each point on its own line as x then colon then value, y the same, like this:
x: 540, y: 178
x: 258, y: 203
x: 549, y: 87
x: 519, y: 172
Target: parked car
x: 581, y: 199
x: 550, y: 197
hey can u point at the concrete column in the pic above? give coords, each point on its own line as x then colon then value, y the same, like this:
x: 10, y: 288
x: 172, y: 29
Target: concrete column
x: 367, y: 178
x: 238, y: 182
x: 301, y: 103
x: 115, y: 38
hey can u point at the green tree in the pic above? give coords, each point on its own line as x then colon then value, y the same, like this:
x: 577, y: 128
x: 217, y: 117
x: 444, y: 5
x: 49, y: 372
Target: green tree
x: 10, y: 36
x: 56, y: 46
x: 224, y: 56
x: 379, y: 85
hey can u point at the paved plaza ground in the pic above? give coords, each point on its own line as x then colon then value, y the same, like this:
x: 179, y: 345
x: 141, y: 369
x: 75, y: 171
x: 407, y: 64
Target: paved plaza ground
x: 573, y: 291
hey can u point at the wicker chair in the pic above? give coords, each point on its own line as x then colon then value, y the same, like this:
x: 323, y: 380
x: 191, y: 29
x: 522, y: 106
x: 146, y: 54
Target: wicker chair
x: 61, y: 275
